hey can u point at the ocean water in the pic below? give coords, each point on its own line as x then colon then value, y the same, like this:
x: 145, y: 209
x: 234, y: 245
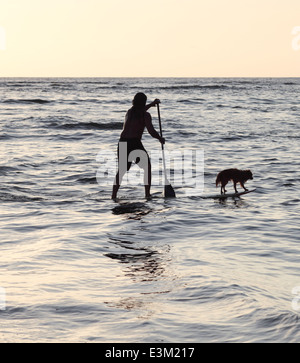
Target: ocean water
x: 76, y: 266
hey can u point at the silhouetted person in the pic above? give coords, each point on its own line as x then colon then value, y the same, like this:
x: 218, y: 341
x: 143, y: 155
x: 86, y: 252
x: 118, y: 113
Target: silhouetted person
x: 130, y: 147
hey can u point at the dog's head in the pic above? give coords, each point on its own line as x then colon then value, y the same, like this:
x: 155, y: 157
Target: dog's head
x: 248, y: 174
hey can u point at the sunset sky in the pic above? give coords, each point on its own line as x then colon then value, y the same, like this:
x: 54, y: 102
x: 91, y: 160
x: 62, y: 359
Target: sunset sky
x: 155, y: 38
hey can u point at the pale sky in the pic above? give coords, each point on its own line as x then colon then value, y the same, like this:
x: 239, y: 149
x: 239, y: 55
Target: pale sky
x: 155, y: 38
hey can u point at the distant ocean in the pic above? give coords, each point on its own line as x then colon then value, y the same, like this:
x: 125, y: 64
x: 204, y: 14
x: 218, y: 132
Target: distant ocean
x: 76, y: 266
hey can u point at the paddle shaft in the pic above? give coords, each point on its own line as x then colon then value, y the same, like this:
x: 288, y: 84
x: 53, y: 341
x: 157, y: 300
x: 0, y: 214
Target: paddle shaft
x: 159, y: 120
x: 162, y: 146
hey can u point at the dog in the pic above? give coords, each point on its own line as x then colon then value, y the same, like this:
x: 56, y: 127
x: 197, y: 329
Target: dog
x: 236, y: 176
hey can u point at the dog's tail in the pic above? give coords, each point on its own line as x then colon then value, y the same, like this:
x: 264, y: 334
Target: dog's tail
x: 218, y: 180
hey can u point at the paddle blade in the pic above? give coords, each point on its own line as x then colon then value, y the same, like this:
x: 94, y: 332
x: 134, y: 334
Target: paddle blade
x: 169, y: 191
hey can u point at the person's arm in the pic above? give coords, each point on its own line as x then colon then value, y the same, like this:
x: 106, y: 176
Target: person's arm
x: 152, y: 104
x: 151, y: 129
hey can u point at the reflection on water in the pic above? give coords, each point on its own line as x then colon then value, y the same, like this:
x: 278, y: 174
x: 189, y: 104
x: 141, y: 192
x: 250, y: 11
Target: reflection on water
x: 145, y: 308
x: 143, y: 262
x: 140, y: 262
x: 236, y: 202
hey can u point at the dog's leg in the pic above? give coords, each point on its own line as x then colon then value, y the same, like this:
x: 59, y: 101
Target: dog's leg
x: 234, y: 184
x: 242, y: 185
x: 223, y: 190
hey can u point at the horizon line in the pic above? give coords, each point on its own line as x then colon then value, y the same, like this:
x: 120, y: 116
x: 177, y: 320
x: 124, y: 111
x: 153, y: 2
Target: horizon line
x: 133, y: 77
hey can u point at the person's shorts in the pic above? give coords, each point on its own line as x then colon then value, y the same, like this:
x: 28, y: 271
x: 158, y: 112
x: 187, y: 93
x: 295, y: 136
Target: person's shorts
x: 130, y: 145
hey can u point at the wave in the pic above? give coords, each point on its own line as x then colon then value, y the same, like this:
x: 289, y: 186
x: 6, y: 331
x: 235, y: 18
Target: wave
x: 5, y: 137
x: 92, y: 180
x: 33, y: 100
x: 282, y: 325
x: 194, y: 86
x: 8, y: 197
x: 19, y: 84
x: 83, y: 179
x: 63, y: 85
x: 88, y: 126
x: 195, y: 100
x: 4, y: 170
x: 233, y: 138
x: 267, y: 101
x: 14, y: 85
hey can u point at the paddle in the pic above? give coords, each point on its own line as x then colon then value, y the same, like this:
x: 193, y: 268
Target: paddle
x: 169, y: 191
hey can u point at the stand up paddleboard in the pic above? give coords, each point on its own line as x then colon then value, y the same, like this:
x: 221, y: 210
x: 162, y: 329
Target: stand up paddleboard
x: 230, y: 195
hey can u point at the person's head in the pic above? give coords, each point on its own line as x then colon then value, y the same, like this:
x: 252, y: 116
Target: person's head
x: 139, y: 100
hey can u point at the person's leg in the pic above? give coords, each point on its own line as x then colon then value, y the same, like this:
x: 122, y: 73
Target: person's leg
x: 118, y: 180
x: 116, y: 186
x: 145, y: 164
x: 123, y: 166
